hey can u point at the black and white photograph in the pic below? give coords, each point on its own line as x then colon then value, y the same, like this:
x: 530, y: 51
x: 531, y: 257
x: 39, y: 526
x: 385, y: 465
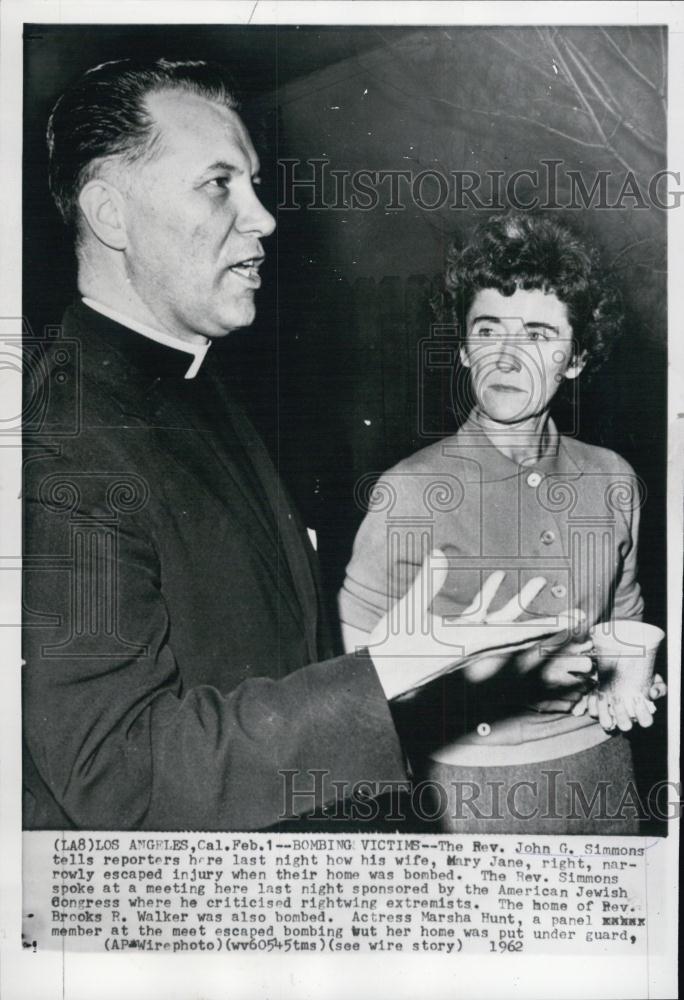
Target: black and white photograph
x: 344, y: 499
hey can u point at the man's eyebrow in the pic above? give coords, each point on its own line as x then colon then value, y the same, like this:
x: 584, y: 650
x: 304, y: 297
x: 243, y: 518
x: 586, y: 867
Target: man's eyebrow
x: 230, y: 168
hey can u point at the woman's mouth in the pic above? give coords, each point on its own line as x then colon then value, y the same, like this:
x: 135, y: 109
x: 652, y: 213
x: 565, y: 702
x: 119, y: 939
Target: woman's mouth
x: 502, y: 387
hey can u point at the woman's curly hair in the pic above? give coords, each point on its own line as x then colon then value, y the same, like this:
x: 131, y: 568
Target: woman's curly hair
x: 535, y: 251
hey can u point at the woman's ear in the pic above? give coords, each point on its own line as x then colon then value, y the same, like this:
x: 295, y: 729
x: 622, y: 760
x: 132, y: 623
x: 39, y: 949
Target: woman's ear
x: 576, y: 366
x: 463, y: 354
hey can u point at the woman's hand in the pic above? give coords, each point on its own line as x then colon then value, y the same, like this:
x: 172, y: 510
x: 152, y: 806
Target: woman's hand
x: 570, y: 668
x: 613, y: 710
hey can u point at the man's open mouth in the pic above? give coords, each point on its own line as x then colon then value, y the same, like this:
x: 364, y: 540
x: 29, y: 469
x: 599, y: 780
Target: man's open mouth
x: 248, y: 269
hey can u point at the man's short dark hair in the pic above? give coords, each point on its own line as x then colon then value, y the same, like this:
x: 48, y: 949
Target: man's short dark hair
x: 531, y: 251
x: 103, y: 114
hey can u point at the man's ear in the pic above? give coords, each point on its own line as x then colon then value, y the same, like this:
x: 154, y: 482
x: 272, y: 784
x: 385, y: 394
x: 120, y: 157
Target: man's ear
x: 103, y: 207
x: 576, y: 366
x: 463, y: 354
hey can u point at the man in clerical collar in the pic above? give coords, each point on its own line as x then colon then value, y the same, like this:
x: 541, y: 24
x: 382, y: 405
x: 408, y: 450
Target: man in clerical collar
x: 161, y: 194
x: 177, y: 673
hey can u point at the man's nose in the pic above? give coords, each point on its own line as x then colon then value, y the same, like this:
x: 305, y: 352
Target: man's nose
x: 256, y: 218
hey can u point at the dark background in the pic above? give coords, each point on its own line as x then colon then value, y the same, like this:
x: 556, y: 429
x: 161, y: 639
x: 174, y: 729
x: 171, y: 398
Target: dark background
x: 337, y: 369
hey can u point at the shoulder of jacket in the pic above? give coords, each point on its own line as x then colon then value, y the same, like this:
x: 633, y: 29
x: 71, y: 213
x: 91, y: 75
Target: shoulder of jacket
x: 434, y: 458
x: 593, y: 458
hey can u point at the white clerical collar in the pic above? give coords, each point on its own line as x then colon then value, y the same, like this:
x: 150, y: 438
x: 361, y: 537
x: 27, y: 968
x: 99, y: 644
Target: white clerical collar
x: 197, y: 350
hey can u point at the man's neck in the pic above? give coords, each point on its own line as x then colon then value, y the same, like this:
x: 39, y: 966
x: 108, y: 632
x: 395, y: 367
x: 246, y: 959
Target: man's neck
x: 118, y: 295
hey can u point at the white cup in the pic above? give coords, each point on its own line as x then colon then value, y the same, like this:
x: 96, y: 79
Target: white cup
x: 625, y: 651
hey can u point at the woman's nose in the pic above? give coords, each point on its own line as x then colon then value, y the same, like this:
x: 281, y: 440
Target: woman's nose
x: 508, y: 359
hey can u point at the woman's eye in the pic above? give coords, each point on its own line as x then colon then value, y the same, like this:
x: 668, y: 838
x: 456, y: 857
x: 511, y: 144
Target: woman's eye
x: 220, y: 182
x: 535, y: 335
x: 484, y: 331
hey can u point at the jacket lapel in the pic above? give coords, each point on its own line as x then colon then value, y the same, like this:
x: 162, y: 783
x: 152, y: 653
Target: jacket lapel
x: 292, y: 535
x: 129, y: 366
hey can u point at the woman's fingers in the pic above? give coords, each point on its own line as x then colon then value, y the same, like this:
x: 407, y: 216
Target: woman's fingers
x: 623, y: 716
x: 612, y: 711
x: 642, y: 713
x: 577, y: 648
x: 566, y: 671
x: 658, y: 688
x: 592, y: 704
x: 605, y: 715
x: 581, y: 706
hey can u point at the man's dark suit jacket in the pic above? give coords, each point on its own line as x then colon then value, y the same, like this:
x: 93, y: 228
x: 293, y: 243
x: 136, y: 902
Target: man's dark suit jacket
x: 171, y: 622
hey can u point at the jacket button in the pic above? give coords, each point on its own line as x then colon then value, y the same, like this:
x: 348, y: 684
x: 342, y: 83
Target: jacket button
x: 548, y: 537
x: 534, y: 479
x: 484, y: 729
x: 558, y: 590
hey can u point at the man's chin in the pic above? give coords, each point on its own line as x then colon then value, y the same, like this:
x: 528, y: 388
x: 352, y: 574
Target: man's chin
x: 234, y: 320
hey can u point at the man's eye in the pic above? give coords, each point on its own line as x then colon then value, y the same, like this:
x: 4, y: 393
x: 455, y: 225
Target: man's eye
x: 536, y: 335
x: 484, y: 331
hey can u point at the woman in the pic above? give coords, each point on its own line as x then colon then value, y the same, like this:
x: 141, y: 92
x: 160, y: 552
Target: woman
x: 517, y: 751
